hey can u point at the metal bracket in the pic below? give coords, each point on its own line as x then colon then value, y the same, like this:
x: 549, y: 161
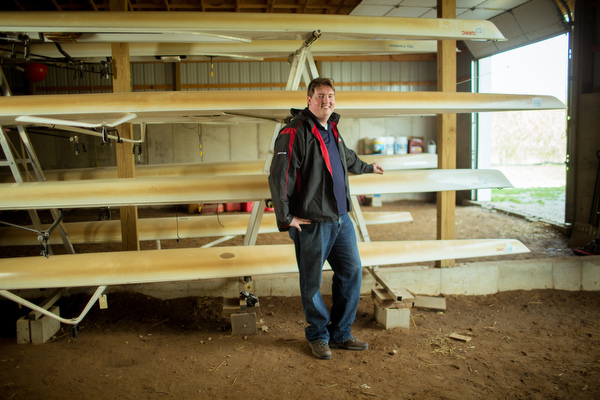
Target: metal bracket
x: 43, y: 236
x: 34, y: 307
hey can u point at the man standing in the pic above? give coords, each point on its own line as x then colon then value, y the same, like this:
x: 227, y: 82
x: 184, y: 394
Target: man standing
x: 309, y: 189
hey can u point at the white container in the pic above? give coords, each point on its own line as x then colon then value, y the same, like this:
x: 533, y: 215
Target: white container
x: 379, y: 145
x: 401, y: 145
x: 376, y: 200
x: 431, y: 147
x: 389, y: 145
x: 383, y: 145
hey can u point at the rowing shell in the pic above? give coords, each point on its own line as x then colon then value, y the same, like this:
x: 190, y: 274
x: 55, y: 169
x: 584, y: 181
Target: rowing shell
x: 224, y: 188
x: 134, y: 267
x: 226, y: 224
x: 388, y: 163
x: 255, y: 50
x: 223, y: 27
x: 170, y: 107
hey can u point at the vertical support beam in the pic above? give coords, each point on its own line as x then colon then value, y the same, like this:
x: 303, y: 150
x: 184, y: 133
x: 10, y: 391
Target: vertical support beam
x: 125, y: 157
x: 446, y: 128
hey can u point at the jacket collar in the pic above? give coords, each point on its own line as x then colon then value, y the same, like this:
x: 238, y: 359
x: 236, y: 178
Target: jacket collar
x: 306, y: 115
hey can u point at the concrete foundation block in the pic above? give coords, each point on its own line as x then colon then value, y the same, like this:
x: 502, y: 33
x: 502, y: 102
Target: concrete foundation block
x: 471, y: 279
x: 525, y: 275
x: 393, y: 317
x: 567, y: 276
x: 417, y: 279
x: 244, y: 324
x: 37, y: 331
x: 590, y: 276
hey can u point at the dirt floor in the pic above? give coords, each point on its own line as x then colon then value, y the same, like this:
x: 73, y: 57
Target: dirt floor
x: 524, y: 344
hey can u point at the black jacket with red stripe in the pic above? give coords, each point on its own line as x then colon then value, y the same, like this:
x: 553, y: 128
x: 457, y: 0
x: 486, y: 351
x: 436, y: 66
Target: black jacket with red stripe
x: 300, y: 178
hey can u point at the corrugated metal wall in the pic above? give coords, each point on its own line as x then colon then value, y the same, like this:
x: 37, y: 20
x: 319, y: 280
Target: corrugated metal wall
x: 350, y: 75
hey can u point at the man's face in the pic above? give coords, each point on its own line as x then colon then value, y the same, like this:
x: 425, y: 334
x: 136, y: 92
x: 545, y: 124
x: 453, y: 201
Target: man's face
x: 322, y: 103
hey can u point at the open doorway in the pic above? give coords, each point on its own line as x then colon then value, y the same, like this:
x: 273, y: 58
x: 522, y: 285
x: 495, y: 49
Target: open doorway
x: 529, y: 147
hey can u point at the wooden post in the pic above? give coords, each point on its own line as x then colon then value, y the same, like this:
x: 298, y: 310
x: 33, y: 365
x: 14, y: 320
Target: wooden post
x: 125, y: 157
x: 446, y: 128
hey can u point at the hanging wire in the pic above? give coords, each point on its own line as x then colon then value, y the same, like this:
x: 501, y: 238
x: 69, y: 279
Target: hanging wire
x: 198, y: 128
x: 218, y: 219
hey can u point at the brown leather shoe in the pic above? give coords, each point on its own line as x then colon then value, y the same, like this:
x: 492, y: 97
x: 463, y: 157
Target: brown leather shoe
x: 350, y: 344
x: 320, y: 349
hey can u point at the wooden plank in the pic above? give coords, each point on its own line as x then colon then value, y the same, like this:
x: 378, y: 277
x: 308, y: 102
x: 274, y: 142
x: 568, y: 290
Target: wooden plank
x: 382, y: 299
x: 389, y: 163
x: 223, y: 188
x: 226, y: 224
x: 393, y: 293
x: 129, y: 267
x: 462, y: 338
x: 232, y: 306
x: 194, y: 106
x: 446, y: 129
x: 254, y: 26
x: 121, y: 81
x: 429, y: 302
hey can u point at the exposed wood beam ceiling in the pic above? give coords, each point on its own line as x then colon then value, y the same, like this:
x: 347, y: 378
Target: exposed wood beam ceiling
x: 342, y: 7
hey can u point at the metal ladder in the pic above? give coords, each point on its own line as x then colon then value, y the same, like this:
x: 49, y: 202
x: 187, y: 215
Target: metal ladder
x: 29, y: 157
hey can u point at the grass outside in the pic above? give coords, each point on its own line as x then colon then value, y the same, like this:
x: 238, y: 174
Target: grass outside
x: 539, y: 196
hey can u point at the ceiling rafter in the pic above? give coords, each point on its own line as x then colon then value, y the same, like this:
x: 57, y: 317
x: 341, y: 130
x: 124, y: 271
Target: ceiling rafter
x: 259, y: 6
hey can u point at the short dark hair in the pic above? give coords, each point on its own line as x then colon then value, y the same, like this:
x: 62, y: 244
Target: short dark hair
x: 317, y: 82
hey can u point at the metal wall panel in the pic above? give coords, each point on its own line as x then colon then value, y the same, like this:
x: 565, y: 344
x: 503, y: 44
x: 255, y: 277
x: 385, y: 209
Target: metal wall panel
x: 375, y: 74
x: 348, y: 75
x: 153, y: 76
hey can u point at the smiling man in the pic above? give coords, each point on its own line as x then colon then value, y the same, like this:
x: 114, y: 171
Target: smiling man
x: 309, y: 188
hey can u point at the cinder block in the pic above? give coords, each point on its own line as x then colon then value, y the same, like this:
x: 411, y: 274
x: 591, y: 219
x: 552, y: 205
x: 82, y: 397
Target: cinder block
x: 23, y: 336
x: 243, y: 324
x: 37, y: 331
x: 45, y: 327
x: 393, y: 317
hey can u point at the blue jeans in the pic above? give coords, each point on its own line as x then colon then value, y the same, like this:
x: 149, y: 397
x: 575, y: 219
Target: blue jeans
x: 336, y: 243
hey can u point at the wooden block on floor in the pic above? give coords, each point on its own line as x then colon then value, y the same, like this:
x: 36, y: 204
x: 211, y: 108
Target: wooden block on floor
x: 243, y: 324
x: 393, y: 317
x: 433, y: 303
x: 37, y: 331
x: 462, y: 338
x: 382, y: 299
x: 231, y: 306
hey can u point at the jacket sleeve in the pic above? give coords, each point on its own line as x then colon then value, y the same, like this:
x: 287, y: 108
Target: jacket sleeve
x: 283, y: 175
x: 356, y: 165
